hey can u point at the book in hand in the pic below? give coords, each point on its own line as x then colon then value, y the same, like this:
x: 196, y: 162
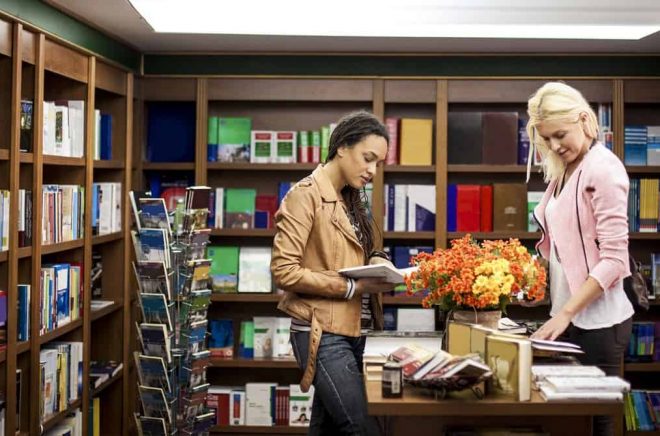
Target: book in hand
x: 542, y: 346
x: 383, y: 271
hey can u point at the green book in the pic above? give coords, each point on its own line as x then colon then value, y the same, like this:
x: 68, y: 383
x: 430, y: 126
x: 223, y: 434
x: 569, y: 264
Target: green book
x: 224, y: 268
x: 246, y: 342
x: 325, y: 142
x: 234, y: 139
x: 239, y: 208
x: 213, y: 130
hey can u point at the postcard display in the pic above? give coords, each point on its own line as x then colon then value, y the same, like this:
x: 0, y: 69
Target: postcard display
x: 174, y: 294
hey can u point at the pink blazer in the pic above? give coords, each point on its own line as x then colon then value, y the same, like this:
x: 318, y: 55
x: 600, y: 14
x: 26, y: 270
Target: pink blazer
x: 590, y: 221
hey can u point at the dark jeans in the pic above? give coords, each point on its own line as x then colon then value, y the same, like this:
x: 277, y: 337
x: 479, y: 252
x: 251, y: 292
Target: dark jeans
x: 604, y: 348
x: 340, y: 403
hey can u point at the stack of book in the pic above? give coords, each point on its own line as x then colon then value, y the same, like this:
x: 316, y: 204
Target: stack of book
x: 174, y: 293
x: 577, y: 382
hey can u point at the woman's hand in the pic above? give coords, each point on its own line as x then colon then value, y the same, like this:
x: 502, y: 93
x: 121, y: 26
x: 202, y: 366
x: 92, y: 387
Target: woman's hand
x: 372, y: 286
x: 553, y: 328
x: 375, y: 260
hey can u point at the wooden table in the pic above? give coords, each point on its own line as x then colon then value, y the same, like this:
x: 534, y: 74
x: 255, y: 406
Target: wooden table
x: 419, y: 413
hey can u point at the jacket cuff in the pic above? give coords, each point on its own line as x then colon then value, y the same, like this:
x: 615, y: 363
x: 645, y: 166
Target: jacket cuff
x: 350, y: 288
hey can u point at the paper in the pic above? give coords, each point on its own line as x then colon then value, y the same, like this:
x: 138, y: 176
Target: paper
x: 383, y: 271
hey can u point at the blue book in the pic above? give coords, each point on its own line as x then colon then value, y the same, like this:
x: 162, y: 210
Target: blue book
x: 283, y: 188
x: 171, y: 132
x: 95, y: 205
x: 62, y: 293
x: 106, y: 137
x: 390, y: 208
x: 451, y: 208
x: 155, y: 309
x: 23, y: 313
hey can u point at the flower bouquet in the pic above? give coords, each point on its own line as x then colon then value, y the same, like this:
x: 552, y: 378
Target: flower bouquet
x: 477, y: 276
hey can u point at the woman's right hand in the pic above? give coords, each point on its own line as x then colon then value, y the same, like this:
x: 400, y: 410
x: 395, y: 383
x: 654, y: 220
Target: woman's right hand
x: 372, y: 286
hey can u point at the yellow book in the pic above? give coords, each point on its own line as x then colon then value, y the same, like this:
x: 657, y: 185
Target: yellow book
x: 97, y: 416
x: 511, y: 362
x: 458, y: 338
x: 416, y: 141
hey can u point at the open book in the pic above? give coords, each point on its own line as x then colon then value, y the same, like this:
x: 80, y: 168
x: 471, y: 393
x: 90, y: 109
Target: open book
x: 384, y: 271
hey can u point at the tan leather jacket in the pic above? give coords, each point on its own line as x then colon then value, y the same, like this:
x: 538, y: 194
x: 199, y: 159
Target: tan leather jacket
x: 314, y: 239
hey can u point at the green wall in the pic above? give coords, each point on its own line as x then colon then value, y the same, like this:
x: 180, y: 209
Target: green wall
x: 52, y: 20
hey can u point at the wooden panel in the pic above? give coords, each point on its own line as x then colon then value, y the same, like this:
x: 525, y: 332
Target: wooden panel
x: 110, y: 78
x: 6, y: 37
x: 410, y: 91
x: 169, y: 89
x: 441, y: 164
x: 641, y: 91
x: 28, y: 44
x: 65, y: 61
x: 290, y: 89
x: 519, y: 91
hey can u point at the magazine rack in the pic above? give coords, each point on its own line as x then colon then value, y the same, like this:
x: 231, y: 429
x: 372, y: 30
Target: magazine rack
x: 173, y: 280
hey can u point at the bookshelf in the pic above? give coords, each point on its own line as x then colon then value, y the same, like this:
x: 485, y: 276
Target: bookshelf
x: 34, y: 67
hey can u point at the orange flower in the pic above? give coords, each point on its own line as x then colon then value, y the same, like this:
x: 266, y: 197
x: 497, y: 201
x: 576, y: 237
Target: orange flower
x: 481, y: 276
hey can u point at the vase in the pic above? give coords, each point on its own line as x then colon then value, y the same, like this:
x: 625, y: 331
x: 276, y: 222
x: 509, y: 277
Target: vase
x: 486, y: 318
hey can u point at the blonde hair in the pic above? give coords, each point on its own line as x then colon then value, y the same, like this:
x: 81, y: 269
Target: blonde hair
x: 555, y: 101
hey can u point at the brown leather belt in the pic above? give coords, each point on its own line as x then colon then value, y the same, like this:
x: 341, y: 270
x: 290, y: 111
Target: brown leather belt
x: 314, y: 340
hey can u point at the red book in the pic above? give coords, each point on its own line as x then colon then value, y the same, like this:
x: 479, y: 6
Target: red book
x: 267, y: 203
x: 392, y: 125
x: 486, y: 208
x: 468, y: 208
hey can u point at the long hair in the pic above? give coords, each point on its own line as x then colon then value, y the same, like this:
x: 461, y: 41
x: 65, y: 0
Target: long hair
x: 556, y: 101
x: 350, y: 130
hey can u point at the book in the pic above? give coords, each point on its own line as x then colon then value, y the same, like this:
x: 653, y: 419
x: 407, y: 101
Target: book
x: 300, y: 406
x: 549, y: 394
x: 152, y: 278
x: 511, y: 362
x: 540, y: 372
x: 254, y: 270
x: 384, y: 271
x: 154, y: 403
x: 587, y: 384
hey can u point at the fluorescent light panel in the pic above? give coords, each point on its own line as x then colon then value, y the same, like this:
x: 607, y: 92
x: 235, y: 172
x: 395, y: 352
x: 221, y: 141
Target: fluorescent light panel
x: 368, y: 18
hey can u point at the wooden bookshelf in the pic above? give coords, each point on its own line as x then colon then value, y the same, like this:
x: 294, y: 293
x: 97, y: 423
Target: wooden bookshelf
x: 4, y: 154
x: 402, y: 300
x: 244, y: 233
x: 415, y: 169
x: 3, y: 356
x: 112, y: 308
x: 22, y: 347
x: 283, y: 363
x: 109, y: 164
x: 249, y: 429
x: 245, y: 298
x: 643, y: 170
x: 496, y: 235
x: 489, y: 169
x: 26, y: 158
x: 24, y: 252
x: 168, y: 166
x: 60, y: 331
x: 52, y: 420
x: 419, y: 236
x: 62, y: 246
x: 64, y: 161
x: 104, y: 239
x: 4, y: 255
x: 642, y: 367
x: 246, y: 166
x: 643, y: 433
x: 643, y: 236
x: 103, y: 386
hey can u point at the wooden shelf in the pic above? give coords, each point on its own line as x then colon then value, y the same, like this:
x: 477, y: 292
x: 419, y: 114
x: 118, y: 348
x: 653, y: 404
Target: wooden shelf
x: 245, y: 298
x: 168, y: 166
x: 109, y: 164
x: 52, y: 420
x: 4, y: 154
x: 244, y: 233
x: 60, y: 331
x: 276, y: 429
x: 107, y: 383
x: 655, y: 236
x: 104, y: 239
x: 403, y: 300
x: 409, y: 169
x: 247, y: 166
x: 64, y: 161
x: 24, y: 252
x: 643, y: 433
x: 100, y: 313
x: 409, y: 235
x: 485, y: 168
x: 62, y: 246
x: 3, y: 355
x: 4, y: 255
x: 282, y: 363
x: 495, y: 235
x: 642, y: 367
x: 643, y: 169
x: 26, y: 158
x: 22, y: 347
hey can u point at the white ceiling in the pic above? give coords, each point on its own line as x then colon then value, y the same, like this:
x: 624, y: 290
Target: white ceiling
x: 118, y: 19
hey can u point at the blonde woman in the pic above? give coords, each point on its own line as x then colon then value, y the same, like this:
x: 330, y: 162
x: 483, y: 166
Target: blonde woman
x: 583, y: 217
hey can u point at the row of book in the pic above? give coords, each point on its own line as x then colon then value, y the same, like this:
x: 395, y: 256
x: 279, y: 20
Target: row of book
x: 409, y: 208
x: 240, y: 269
x: 487, y: 208
x: 261, y: 404
x: 642, y: 410
x: 106, y: 208
x: 641, y: 145
x: 63, y: 211
x: 64, y: 128
x: 60, y: 376
x: 241, y: 208
x: 261, y: 337
x: 644, y: 345
x: 24, y: 218
x: 232, y: 139
x: 644, y: 205
x: 61, y: 297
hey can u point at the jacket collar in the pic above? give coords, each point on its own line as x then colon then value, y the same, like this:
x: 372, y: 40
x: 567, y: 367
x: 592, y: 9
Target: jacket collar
x: 328, y: 192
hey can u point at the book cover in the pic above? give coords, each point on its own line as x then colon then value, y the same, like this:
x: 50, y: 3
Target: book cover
x: 284, y: 147
x: 300, y: 406
x: 383, y: 271
x: 234, y: 139
x: 511, y: 361
x: 262, y: 147
x: 464, y: 138
x: 254, y: 274
x: 416, y: 143
x: 510, y: 207
x: 239, y: 208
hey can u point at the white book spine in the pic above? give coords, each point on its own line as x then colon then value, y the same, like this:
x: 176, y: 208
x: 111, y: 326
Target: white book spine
x: 400, y: 207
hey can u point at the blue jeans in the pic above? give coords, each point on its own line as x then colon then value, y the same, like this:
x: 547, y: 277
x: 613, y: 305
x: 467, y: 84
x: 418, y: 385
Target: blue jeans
x: 340, y: 402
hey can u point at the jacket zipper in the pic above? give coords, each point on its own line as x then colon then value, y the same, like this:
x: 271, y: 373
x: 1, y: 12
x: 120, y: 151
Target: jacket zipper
x: 577, y: 212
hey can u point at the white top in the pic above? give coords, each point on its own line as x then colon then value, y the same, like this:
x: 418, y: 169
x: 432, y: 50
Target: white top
x: 610, y: 309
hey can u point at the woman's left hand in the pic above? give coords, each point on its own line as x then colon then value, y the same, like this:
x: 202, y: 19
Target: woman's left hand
x: 553, y: 328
